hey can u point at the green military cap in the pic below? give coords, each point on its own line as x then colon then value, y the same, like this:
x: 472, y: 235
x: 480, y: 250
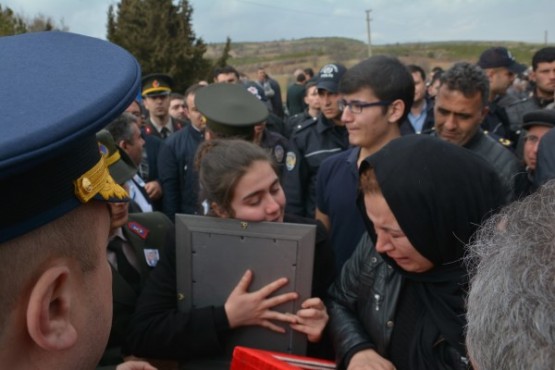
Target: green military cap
x: 156, y: 84
x: 230, y: 110
x: 121, y: 167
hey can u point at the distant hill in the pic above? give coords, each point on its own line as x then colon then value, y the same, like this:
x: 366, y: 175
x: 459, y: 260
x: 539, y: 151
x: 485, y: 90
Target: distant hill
x: 281, y: 58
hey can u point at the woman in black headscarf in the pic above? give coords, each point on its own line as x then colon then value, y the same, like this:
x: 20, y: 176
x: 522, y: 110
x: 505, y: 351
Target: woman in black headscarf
x: 399, y: 301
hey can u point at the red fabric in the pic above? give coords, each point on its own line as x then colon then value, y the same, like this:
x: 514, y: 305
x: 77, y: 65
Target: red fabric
x: 255, y: 359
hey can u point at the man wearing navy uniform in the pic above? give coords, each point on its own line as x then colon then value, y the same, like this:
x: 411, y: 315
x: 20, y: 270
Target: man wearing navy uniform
x: 157, y: 88
x: 314, y: 142
x: 54, y: 183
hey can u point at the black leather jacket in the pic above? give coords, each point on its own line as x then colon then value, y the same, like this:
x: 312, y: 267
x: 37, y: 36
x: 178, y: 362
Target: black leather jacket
x: 505, y: 163
x: 362, y: 303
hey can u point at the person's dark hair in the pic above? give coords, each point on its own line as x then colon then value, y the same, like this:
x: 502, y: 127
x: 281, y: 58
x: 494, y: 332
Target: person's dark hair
x: 301, y: 77
x: 221, y: 164
x: 413, y: 68
x: 386, y: 76
x: 175, y: 95
x: 437, y: 69
x: 122, y: 128
x: 192, y: 90
x: 226, y: 69
x: 467, y: 78
x: 435, y: 76
x: 308, y: 85
x: 544, y: 55
x: 309, y: 72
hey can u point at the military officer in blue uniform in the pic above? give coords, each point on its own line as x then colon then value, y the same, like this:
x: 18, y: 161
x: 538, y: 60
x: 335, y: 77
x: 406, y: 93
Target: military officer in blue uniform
x: 54, y: 184
x: 156, y: 91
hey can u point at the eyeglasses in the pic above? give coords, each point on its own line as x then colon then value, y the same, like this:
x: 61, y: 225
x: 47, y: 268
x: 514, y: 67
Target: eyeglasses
x: 356, y: 107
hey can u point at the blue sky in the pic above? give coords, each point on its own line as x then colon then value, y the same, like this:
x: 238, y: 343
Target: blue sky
x: 392, y: 20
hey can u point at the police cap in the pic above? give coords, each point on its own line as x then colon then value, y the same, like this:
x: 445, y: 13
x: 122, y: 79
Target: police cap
x: 121, y: 167
x: 156, y: 84
x: 329, y: 77
x: 540, y: 117
x: 497, y: 57
x: 229, y: 109
x: 50, y: 162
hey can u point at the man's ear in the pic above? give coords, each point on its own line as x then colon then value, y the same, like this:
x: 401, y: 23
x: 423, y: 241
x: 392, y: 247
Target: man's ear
x: 49, y: 311
x: 395, y: 110
x: 122, y: 144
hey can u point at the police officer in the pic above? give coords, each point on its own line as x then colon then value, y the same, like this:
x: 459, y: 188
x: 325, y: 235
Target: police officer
x: 313, y: 142
x: 543, y: 75
x: 536, y: 125
x: 54, y: 185
x: 156, y: 91
x: 267, y: 138
x: 311, y: 112
x: 133, y: 248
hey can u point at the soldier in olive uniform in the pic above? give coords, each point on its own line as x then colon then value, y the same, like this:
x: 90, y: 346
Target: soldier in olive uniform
x: 133, y: 249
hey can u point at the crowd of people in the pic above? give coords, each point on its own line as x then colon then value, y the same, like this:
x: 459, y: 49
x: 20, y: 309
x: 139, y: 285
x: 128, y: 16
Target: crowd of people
x: 397, y: 168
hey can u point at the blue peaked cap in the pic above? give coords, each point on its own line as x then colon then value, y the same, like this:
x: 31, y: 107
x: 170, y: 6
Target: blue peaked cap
x: 59, y: 90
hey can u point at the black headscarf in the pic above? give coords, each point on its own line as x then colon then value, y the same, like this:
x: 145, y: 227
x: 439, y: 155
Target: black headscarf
x: 439, y: 193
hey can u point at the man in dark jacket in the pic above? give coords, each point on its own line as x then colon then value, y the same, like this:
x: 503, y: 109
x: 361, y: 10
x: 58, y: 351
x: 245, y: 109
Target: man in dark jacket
x: 543, y: 74
x: 461, y: 105
x: 176, y: 167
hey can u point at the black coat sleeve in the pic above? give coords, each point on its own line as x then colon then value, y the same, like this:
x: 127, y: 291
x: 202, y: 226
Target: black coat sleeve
x: 159, y: 330
x: 347, y: 332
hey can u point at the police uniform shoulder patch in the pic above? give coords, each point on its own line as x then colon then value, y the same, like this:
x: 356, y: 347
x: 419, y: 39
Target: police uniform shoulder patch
x: 279, y: 152
x: 138, y: 229
x: 290, y: 161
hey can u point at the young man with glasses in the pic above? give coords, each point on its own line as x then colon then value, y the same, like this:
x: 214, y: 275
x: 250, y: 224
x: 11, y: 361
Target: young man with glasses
x: 376, y: 95
x: 313, y: 142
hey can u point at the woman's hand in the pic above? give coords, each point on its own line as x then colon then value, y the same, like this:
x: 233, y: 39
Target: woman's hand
x: 135, y: 365
x: 244, y: 308
x: 311, y: 319
x: 369, y: 359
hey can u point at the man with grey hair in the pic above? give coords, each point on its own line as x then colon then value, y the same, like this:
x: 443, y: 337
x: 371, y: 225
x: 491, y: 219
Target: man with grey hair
x: 511, y: 324
x: 461, y: 106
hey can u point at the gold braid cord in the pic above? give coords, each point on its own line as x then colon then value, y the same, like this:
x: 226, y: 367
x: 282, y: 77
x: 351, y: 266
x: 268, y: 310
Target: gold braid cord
x: 97, y: 180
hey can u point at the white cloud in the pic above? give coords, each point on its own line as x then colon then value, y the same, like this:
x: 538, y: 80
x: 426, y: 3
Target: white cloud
x: 392, y: 20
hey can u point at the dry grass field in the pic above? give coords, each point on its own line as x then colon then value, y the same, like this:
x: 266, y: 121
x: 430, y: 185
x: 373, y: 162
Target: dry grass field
x: 281, y: 58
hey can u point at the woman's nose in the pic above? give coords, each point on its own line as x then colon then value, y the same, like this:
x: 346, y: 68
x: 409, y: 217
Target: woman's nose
x: 383, y: 243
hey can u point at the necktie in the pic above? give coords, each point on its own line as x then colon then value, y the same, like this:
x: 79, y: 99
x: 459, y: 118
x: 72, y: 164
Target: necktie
x: 164, y: 132
x: 125, y: 269
x: 143, y: 166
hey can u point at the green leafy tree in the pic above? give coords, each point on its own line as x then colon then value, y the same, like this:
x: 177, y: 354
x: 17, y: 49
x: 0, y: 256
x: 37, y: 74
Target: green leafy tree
x: 11, y: 23
x: 159, y: 34
x: 222, y: 60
